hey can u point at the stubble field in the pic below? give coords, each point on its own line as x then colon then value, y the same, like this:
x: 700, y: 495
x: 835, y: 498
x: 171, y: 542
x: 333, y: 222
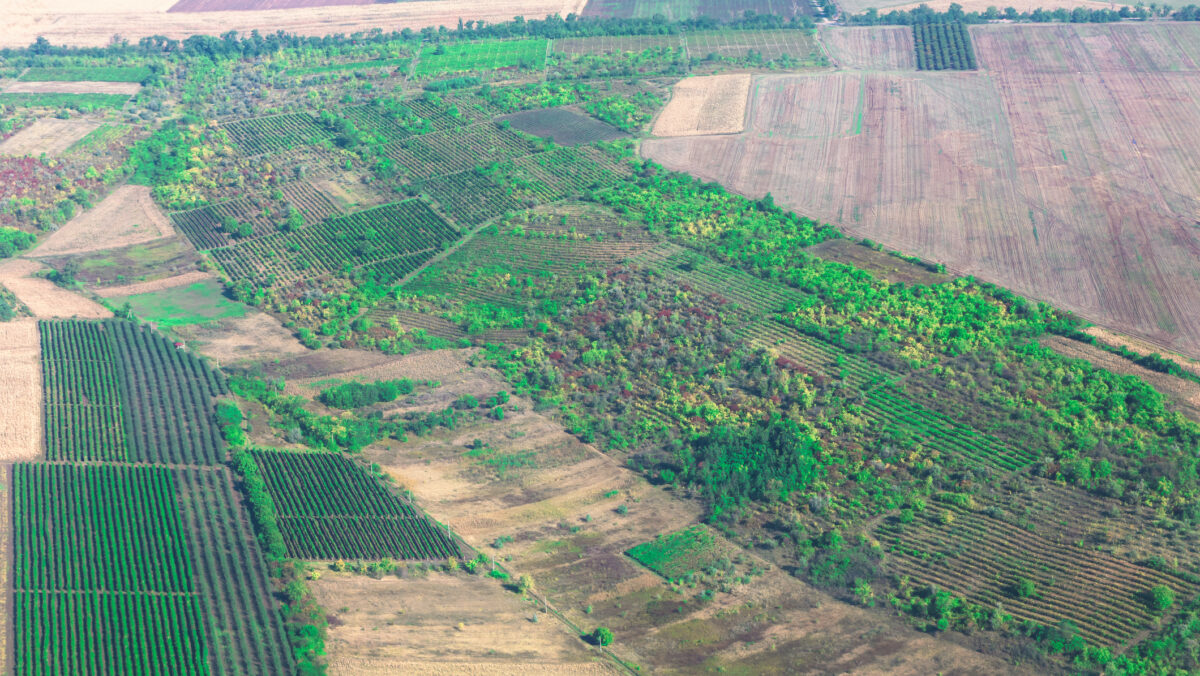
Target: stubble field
x: 48, y: 135
x: 1062, y: 169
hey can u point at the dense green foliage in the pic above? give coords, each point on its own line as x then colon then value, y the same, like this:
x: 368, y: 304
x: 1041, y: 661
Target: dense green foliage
x: 87, y: 74
x: 943, y: 46
x: 357, y: 395
x: 13, y: 241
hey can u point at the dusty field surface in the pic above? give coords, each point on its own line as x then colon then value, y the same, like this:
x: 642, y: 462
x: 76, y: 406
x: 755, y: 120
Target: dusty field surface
x: 227, y: 5
x: 441, y: 623
x: 127, y: 216
x: 557, y: 499
x: 75, y: 87
x: 48, y: 135
x: 82, y: 23
x: 20, y: 392
x: 870, y: 48
x: 1184, y: 393
x: 252, y: 338
x: 1064, y: 170
x: 42, y: 297
x: 885, y: 6
x: 154, y: 285
x: 711, y: 104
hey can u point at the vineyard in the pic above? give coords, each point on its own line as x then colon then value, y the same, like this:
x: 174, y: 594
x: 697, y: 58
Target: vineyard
x: 394, y: 238
x: 470, y: 197
x: 563, y: 126
x: 330, y: 508
x: 443, y: 153
x: 116, y: 391
x: 98, y: 139
x: 984, y: 559
x: 481, y: 56
x: 943, y: 46
x: 258, y: 135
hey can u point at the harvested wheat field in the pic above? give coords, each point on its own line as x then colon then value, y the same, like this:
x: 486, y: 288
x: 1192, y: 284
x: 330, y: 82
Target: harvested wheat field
x: 20, y: 391
x: 870, y: 48
x: 130, y: 88
x: 127, y: 216
x: 89, y: 24
x: 43, y: 298
x: 48, y: 135
x: 440, y: 623
x: 712, y: 104
x: 1064, y: 171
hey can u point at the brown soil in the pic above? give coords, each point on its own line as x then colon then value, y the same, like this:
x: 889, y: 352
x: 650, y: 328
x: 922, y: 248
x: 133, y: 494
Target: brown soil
x: 450, y: 368
x: 870, y: 48
x: 1059, y: 170
x: 127, y: 216
x: 74, y: 87
x: 48, y: 135
x: 92, y: 24
x: 42, y: 297
x: 560, y: 509
x: 228, y: 5
x: 155, y: 285
x: 885, y: 6
x: 440, y: 623
x: 881, y: 264
x: 712, y: 104
x: 254, y: 337
x: 1184, y: 393
x: 20, y: 392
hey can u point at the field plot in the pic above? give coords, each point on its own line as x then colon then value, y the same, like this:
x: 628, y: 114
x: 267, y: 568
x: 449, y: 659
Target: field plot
x: 442, y: 153
x: 870, y: 48
x: 198, y: 302
x: 259, y: 135
x: 393, y: 239
x: 1065, y: 159
x: 607, y: 44
x: 715, y: 104
x: 203, y: 226
x: 236, y: 5
x: 330, y: 508
x: 98, y: 139
x: 943, y: 46
x: 44, y: 298
x: 466, y: 57
x: 115, y: 91
x: 21, y: 383
x: 985, y: 560
x: 86, y: 74
x: 385, y: 65
x: 799, y: 45
x: 690, y: 9
x: 47, y: 135
x: 127, y: 216
x: 470, y: 197
x: 563, y: 125
x: 561, y: 173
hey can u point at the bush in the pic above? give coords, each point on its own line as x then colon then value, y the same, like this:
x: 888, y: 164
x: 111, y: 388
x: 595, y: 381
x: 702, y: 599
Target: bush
x: 357, y: 395
x: 602, y: 636
x: 13, y: 241
x: 1161, y: 597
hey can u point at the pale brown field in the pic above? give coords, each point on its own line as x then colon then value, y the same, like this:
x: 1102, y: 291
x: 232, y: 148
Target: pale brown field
x: 20, y: 391
x: 127, y: 216
x: 153, y: 285
x: 713, y: 104
x: 869, y: 47
x: 48, y: 135
x: 75, y: 87
x: 6, y: 545
x: 442, y: 623
x: 253, y: 337
x: 1141, y: 347
x: 42, y: 297
x: 83, y: 23
x: 1063, y: 170
x: 885, y: 6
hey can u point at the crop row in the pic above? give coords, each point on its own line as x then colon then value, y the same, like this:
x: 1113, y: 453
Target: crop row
x: 470, y: 197
x: 748, y: 291
x: 314, y: 204
x: 936, y: 431
x: 82, y: 389
x: 329, y: 508
x: 203, y: 226
x: 441, y: 153
x: 86, y: 74
x: 62, y: 100
x: 263, y: 134
x: 815, y: 354
x: 559, y: 174
x: 388, y: 64
x: 98, y: 138
x: 97, y: 528
x: 356, y: 240
x: 943, y: 46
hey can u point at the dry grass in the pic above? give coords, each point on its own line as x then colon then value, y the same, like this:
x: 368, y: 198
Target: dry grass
x: 252, y: 337
x: 154, y: 285
x: 83, y: 23
x: 42, y: 297
x: 1141, y: 347
x: 439, y: 623
x: 127, y: 216
x: 1064, y: 170
x: 20, y: 392
x: 74, y: 87
x: 48, y: 135
x: 713, y: 104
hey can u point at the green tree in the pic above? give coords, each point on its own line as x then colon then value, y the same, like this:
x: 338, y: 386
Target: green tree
x: 1161, y: 597
x: 601, y: 636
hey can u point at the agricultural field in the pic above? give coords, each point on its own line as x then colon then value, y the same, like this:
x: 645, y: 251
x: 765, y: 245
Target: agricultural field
x: 717, y: 9
x: 47, y: 135
x: 182, y: 304
x: 873, y: 48
x: 699, y: 106
x: 993, y: 155
x: 943, y: 47
x: 85, y: 74
x: 482, y: 56
x: 563, y: 126
x: 125, y: 217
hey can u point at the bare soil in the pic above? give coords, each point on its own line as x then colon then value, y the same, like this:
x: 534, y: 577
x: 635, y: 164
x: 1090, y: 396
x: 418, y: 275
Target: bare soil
x: 885, y: 6
x: 254, y: 337
x: 74, y: 87
x: 711, y: 104
x: 42, y: 297
x: 228, y: 5
x: 90, y: 24
x: 20, y: 392
x: 48, y: 135
x: 127, y: 216
x: 154, y: 285
x: 443, y: 623
x: 869, y: 47
x: 1061, y: 170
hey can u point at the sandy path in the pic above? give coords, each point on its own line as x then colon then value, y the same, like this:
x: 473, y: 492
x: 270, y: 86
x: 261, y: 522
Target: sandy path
x: 48, y: 135
x: 74, y: 87
x: 715, y: 104
x: 20, y: 392
x: 127, y: 216
x: 42, y: 297
x: 93, y: 24
x: 154, y: 285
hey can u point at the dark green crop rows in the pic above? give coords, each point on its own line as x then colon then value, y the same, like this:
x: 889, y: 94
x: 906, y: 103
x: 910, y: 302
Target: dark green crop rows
x: 943, y: 46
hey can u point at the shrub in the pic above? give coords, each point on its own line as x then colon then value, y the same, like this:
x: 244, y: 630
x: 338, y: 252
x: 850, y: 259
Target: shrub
x: 602, y: 636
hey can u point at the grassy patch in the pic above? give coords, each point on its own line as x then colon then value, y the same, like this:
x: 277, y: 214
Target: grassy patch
x: 679, y: 554
x: 195, y: 304
x: 482, y: 56
x: 87, y: 74
x: 57, y: 100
